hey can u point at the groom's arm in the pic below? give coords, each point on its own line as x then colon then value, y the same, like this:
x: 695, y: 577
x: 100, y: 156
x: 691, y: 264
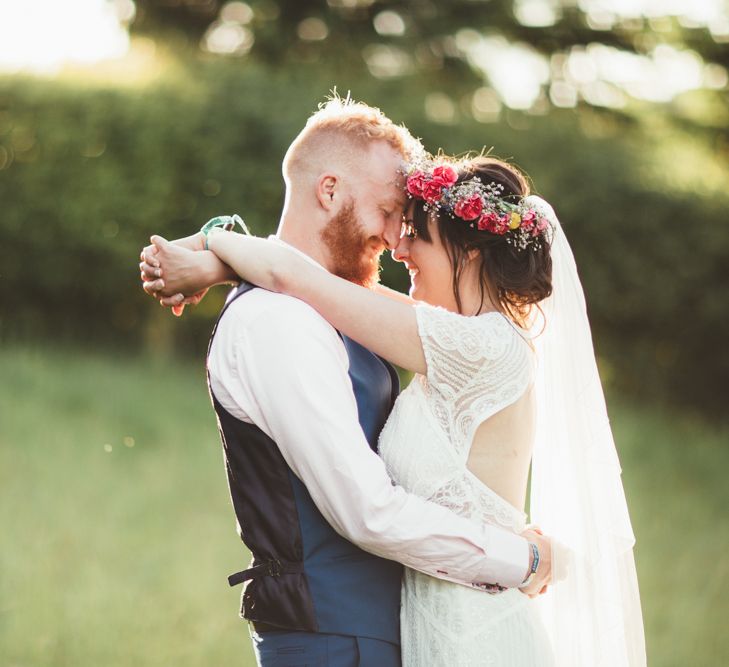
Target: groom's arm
x: 289, y: 376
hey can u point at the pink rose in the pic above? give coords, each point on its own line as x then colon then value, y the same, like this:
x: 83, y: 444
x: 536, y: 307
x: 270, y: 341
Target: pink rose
x: 431, y: 191
x: 415, y: 184
x: 504, y: 221
x: 445, y: 175
x: 541, y: 226
x: 528, y: 220
x: 488, y: 222
x: 469, y: 209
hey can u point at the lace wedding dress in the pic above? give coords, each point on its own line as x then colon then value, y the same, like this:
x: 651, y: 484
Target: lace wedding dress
x: 476, y: 366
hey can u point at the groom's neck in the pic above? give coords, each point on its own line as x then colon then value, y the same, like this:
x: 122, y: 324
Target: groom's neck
x: 303, y: 234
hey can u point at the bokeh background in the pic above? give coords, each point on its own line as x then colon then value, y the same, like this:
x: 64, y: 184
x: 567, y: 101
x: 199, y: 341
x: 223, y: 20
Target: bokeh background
x: 122, y: 118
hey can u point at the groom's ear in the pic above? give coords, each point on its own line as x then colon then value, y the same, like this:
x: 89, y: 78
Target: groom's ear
x: 327, y: 191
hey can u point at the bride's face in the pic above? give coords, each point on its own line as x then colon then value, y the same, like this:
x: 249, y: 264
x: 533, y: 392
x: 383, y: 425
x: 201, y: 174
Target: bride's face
x: 428, y: 263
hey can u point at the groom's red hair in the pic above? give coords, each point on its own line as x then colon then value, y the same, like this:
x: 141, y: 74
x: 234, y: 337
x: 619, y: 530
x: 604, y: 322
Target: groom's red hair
x: 339, y: 130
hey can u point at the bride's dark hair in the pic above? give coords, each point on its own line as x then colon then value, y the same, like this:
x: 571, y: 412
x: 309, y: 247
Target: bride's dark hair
x: 514, y: 279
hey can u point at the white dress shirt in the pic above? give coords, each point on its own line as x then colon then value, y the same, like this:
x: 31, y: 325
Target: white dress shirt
x: 276, y: 363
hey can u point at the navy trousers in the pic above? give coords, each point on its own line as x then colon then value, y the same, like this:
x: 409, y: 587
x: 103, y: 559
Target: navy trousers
x: 310, y: 649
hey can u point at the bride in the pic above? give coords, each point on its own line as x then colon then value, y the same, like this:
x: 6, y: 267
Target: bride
x: 495, y: 330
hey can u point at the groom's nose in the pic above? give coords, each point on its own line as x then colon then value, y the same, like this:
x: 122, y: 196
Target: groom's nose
x: 391, y: 235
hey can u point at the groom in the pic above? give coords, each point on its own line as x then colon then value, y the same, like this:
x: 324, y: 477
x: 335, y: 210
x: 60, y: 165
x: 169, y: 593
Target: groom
x: 300, y: 408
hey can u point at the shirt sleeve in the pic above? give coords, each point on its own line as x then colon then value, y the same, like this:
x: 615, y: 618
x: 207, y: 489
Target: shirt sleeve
x: 292, y: 366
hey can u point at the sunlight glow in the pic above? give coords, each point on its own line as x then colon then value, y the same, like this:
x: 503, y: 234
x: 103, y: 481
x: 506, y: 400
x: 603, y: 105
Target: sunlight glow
x: 537, y: 13
x: 385, y: 62
x: 703, y: 12
x: 599, y: 74
x: 44, y: 35
x: 389, y: 23
x: 659, y: 78
x: 516, y: 71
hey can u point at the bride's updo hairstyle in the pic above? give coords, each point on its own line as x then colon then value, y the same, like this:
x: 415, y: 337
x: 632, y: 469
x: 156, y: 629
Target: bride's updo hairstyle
x: 514, y: 278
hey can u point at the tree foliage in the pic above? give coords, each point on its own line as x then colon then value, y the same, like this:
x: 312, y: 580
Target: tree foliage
x: 88, y: 173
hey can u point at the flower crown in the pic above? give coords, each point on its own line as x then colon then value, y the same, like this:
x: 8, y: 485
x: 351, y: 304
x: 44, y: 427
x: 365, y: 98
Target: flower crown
x: 482, y: 205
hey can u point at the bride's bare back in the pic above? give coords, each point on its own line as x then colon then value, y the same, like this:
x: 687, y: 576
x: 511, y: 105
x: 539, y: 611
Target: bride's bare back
x: 502, y: 448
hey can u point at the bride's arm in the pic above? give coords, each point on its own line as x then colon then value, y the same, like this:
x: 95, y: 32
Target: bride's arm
x: 393, y: 294
x: 386, y: 326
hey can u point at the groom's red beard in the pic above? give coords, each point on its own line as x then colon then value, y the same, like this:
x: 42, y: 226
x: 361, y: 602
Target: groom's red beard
x: 354, y: 255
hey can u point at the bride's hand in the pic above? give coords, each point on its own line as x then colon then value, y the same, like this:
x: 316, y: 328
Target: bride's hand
x: 177, y: 302
x: 169, y: 269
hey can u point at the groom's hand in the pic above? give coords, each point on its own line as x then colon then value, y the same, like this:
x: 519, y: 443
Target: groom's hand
x: 543, y: 576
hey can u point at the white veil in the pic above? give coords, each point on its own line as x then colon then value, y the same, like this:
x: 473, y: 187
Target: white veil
x: 593, y: 615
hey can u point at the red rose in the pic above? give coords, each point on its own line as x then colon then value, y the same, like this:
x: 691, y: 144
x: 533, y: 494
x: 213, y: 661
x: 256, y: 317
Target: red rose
x: 415, y: 184
x: 469, y: 209
x: 431, y: 191
x: 445, y: 175
x: 494, y: 223
x: 488, y: 222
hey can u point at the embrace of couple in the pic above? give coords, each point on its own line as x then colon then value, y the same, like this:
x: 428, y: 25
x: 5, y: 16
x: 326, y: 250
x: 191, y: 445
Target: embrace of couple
x: 337, y: 482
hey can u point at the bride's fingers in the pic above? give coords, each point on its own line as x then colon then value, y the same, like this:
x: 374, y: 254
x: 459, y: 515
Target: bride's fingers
x: 194, y: 299
x: 148, y: 251
x: 152, y: 287
x: 149, y: 255
x: 150, y: 271
x: 173, y: 301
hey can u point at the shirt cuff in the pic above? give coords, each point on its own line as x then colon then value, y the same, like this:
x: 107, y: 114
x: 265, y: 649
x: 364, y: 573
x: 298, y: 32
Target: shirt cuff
x: 507, y: 560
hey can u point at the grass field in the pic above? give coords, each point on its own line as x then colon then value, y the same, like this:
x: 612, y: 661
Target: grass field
x: 117, y: 535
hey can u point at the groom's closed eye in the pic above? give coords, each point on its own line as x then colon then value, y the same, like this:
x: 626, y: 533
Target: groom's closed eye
x: 394, y: 207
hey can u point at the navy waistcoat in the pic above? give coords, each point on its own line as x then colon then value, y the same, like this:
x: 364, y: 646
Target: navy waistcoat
x: 304, y: 576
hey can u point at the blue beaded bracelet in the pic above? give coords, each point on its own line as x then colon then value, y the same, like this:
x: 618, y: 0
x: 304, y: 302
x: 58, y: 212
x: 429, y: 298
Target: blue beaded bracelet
x: 535, y: 565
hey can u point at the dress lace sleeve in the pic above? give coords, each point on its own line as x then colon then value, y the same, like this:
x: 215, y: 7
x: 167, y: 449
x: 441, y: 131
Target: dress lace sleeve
x: 475, y: 366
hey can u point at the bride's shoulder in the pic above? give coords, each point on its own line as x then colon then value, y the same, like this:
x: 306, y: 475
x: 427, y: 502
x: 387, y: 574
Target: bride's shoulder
x: 461, y: 350
x: 480, y: 338
x: 489, y: 323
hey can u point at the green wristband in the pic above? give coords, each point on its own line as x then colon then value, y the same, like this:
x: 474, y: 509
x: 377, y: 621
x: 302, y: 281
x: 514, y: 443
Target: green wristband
x: 226, y: 222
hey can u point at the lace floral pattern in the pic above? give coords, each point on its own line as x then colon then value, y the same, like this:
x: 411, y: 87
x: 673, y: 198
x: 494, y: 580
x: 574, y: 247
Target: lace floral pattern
x: 476, y: 367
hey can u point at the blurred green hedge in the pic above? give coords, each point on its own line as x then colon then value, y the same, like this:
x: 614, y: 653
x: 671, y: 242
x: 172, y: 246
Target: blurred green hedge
x: 87, y: 173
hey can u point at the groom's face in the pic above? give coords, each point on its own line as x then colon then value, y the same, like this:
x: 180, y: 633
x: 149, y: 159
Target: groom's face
x: 370, y: 219
x: 354, y: 253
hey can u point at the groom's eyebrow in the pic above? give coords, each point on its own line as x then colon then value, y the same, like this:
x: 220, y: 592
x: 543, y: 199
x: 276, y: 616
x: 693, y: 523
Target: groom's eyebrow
x: 399, y: 201
x: 394, y: 200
